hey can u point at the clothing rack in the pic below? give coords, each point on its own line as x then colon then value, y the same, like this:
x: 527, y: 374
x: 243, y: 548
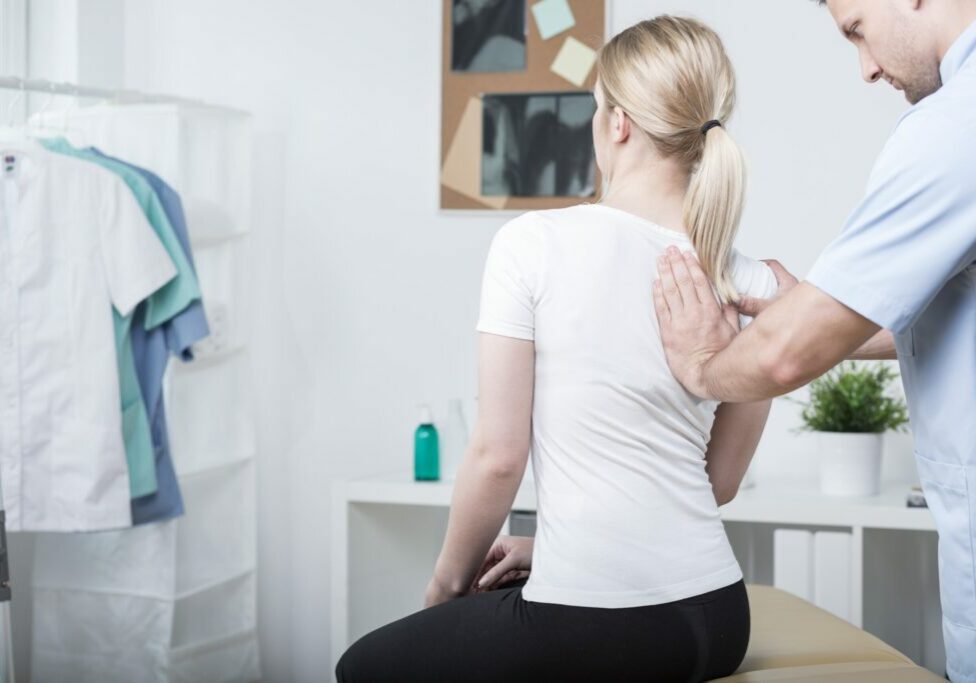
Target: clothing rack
x: 122, y: 96
x: 117, y: 95
x: 18, y: 87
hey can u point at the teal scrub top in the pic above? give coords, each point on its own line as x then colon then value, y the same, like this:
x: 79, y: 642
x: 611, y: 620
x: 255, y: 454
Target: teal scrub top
x: 161, y: 306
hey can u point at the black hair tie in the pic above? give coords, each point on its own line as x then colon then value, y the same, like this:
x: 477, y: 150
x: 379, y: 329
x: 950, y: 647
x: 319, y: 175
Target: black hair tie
x: 709, y: 125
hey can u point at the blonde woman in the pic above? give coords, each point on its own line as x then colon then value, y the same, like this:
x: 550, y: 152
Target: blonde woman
x: 630, y: 575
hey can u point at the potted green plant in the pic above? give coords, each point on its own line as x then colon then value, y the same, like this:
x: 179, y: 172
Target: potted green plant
x: 850, y: 408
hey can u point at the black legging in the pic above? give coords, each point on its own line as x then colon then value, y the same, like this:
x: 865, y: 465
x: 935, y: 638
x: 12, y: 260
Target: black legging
x: 497, y: 636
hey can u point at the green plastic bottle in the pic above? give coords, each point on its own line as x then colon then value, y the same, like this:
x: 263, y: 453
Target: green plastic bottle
x: 426, y: 449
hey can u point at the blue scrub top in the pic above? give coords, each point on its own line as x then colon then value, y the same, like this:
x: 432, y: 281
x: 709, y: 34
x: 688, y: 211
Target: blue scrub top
x: 151, y: 350
x: 907, y: 261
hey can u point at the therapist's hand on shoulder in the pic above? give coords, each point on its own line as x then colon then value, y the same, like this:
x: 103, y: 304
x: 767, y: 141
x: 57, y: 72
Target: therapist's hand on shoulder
x: 693, y: 325
x: 751, y: 306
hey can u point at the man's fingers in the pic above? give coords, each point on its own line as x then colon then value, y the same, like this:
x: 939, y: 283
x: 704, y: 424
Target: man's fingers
x: 785, y: 281
x: 682, y: 277
x: 783, y: 276
x: 751, y: 306
x: 702, y: 285
x: 778, y: 270
x: 731, y: 316
x: 661, y: 304
x: 669, y: 287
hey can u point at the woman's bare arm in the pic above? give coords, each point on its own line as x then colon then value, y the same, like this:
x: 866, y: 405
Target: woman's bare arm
x: 495, y: 460
x: 735, y: 435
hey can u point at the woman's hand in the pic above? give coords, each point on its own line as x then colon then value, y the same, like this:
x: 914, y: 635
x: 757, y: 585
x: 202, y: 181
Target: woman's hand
x: 509, y: 559
x: 437, y: 593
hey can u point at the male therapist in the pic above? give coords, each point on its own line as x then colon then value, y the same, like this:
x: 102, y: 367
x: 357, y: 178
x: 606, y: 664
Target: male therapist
x: 905, y: 263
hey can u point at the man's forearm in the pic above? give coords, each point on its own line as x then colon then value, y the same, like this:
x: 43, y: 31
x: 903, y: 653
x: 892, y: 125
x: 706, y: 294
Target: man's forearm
x: 879, y: 347
x: 482, y: 498
x: 742, y: 373
x: 795, y: 340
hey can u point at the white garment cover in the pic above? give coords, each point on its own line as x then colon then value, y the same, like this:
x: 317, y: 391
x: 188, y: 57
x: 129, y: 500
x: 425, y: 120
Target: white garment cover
x: 155, y: 604
x: 171, y: 602
x: 73, y: 243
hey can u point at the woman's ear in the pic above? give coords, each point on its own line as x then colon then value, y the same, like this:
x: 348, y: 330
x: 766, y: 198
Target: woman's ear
x: 621, y: 125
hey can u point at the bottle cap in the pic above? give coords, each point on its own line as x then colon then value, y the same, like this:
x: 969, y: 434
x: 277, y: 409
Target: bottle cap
x: 426, y: 415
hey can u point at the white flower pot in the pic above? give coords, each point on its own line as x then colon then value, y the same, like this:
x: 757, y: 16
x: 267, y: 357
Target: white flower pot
x: 850, y: 464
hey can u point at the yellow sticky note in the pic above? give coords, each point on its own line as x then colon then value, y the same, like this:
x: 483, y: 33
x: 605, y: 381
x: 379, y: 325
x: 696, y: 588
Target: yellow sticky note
x: 574, y: 61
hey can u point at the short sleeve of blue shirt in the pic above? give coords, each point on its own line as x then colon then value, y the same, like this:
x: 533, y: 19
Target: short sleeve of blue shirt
x: 914, y: 230
x: 190, y: 325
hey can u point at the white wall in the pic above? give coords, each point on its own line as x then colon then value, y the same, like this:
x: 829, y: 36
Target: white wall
x: 366, y: 295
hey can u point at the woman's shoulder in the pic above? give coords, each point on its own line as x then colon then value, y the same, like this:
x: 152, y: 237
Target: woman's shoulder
x: 541, y: 218
x: 752, y: 277
x: 536, y: 223
x: 532, y: 226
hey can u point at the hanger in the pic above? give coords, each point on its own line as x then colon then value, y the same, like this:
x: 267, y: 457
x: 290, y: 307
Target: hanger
x: 40, y: 127
x: 35, y: 125
x: 39, y: 116
x: 12, y: 135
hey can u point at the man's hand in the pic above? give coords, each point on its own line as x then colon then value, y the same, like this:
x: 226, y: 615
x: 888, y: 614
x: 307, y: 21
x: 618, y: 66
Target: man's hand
x: 879, y: 347
x: 752, y: 306
x: 693, y: 326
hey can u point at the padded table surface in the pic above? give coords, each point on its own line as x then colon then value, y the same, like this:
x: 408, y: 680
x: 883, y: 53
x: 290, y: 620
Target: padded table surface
x: 793, y: 640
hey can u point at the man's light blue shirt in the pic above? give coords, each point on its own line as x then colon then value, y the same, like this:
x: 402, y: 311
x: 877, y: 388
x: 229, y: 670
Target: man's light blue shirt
x: 907, y: 261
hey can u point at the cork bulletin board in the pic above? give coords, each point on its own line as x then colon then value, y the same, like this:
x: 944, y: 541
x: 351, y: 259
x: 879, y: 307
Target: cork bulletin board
x: 516, y: 103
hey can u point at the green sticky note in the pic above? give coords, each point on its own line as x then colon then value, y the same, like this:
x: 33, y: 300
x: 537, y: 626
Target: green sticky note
x: 574, y: 61
x: 552, y: 17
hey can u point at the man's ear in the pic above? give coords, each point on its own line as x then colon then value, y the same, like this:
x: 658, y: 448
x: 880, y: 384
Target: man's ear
x: 621, y: 125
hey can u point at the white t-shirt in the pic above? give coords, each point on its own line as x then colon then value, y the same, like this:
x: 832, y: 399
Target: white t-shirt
x: 626, y: 513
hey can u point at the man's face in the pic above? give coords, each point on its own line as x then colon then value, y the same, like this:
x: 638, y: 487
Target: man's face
x: 892, y: 43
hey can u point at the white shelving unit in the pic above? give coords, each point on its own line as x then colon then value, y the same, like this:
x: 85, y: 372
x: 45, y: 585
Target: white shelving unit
x: 211, y: 416
x: 185, y: 605
x: 387, y: 532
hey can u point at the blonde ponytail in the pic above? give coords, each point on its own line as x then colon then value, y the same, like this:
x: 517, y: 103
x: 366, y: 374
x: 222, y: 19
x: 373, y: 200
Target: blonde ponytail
x: 713, y: 207
x: 672, y: 76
